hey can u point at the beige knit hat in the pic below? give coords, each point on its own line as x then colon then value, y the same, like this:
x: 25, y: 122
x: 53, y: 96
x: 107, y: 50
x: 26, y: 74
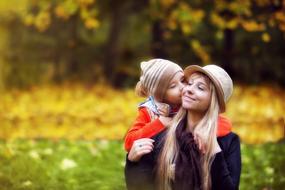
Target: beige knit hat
x: 220, y: 78
x: 155, y: 77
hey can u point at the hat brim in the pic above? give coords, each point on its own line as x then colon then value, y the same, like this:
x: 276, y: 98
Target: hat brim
x: 188, y: 71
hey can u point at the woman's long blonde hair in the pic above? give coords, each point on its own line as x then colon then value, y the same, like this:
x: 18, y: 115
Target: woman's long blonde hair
x: 206, y: 129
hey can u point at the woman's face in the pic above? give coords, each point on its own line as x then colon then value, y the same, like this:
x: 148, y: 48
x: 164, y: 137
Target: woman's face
x: 196, y: 95
x: 174, y: 90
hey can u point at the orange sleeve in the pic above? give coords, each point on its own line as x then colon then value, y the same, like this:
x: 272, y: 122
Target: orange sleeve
x: 224, y: 126
x: 143, y: 127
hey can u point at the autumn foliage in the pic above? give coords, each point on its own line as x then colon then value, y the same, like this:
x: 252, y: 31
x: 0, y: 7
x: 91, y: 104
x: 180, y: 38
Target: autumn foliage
x: 79, y: 112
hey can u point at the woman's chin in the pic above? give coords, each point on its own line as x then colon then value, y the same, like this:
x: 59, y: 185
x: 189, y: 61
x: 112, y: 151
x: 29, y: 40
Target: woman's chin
x: 187, y: 106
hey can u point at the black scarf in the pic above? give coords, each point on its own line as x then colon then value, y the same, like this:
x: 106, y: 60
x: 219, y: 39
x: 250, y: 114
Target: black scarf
x: 188, y: 170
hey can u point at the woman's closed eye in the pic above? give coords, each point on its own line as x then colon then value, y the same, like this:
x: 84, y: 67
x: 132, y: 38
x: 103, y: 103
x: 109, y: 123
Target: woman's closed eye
x: 198, y: 86
x: 201, y: 87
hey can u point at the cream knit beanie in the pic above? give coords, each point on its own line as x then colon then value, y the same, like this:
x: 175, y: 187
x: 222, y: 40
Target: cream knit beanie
x: 156, y: 76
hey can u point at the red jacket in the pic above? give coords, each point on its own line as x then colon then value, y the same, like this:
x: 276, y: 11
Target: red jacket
x: 143, y: 127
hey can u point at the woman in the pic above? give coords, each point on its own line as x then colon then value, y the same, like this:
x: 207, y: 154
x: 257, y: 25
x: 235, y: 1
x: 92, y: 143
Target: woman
x: 189, y: 155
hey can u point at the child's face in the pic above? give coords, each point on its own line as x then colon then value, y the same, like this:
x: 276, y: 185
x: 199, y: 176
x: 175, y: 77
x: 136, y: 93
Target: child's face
x: 174, y: 90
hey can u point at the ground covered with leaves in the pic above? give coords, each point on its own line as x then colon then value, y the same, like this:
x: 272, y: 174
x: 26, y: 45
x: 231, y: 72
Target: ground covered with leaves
x: 81, y: 112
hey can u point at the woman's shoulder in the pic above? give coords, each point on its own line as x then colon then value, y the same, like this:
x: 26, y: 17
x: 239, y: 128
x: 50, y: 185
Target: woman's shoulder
x: 229, y: 140
x: 229, y: 136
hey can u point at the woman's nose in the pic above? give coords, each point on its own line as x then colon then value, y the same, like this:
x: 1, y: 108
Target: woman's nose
x: 187, y: 88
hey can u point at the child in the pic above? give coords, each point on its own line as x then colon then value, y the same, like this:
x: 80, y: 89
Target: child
x: 162, y: 82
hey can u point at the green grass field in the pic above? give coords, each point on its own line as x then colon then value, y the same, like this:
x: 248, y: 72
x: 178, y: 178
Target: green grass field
x: 99, y: 165
x: 44, y: 164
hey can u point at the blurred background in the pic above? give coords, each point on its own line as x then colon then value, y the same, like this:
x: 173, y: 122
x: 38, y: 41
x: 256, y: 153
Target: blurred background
x: 68, y: 70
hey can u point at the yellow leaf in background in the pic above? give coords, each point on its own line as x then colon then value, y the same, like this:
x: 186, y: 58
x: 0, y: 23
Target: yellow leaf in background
x: 184, y: 6
x: 186, y: 28
x: 280, y: 16
x: 29, y: 20
x: 167, y: 3
x: 42, y: 21
x: 232, y: 24
x: 240, y: 7
x: 265, y: 37
x: 219, y: 35
x: 172, y: 25
x: 263, y: 3
x: 91, y: 23
x: 200, y: 51
x: 84, y: 13
x: 252, y: 26
x: 85, y: 3
x: 221, y: 5
x: 271, y: 22
x: 282, y: 27
x: 218, y: 20
x: 198, y: 15
x: 61, y: 12
x: 195, y: 44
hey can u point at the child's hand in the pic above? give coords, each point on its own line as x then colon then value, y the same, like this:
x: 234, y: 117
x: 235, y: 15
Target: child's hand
x: 203, y: 147
x: 140, y: 148
x: 200, y: 144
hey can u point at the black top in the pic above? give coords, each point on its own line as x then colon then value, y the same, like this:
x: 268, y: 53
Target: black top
x: 225, y: 170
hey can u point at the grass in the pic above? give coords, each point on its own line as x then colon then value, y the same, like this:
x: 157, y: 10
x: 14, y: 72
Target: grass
x: 99, y: 165
x: 62, y: 165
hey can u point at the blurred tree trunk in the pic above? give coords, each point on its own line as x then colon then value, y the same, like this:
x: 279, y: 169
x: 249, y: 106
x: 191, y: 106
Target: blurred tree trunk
x: 228, y: 52
x: 111, y: 59
x: 119, y: 14
x: 56, y: 64
x: 72, y: 45
x: 157, y: 41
